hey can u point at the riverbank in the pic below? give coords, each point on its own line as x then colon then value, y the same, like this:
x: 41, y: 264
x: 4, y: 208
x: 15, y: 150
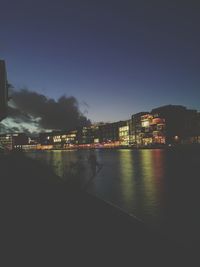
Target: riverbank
x: 35, y: 148
x: 45, y: 219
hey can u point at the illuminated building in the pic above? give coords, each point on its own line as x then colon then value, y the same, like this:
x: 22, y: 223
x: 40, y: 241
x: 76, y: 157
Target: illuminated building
x: 181, y: 124
x: 167, y: 125
x: 6, y: 141
x: 87, y: 135
x: 109, y: 132
x: 84, y: 135
x: 20, y: 139
x: 146, y: 135
x: 13, y: 140
x: 69, y: 139
x: 124, y: 136
x: 152, y: 130
x: 94, y: 134
x: 136, y: 129
x: 58, y: 139
x: 3, y: 90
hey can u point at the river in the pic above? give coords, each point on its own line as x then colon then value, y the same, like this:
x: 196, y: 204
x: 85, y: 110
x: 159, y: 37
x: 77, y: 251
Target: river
x: 159, y: 187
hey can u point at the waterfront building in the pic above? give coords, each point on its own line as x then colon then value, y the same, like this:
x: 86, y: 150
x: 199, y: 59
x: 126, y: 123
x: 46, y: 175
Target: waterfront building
x: 109, y: 132
x: 145, y: 134
x: 69, y: 139
x: 167, y: 125
x: 85, y: 135
x: 124, y: 134
x: 13, y: 140
x: 181, y: 123
x: 152, y: 130
x: 46, y: 138
x: 58, y: 139
x: 94, y: 134
x: 136, y: 129
x: 20, y: 139
x: 6, y: 141
x: 3, y: 90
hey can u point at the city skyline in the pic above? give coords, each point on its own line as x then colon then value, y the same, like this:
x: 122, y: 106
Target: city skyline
x: 118, y: 59
x: 164, y: 126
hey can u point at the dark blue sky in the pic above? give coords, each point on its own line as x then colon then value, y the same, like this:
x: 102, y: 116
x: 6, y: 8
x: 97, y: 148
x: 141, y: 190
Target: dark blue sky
x: 120, y: 58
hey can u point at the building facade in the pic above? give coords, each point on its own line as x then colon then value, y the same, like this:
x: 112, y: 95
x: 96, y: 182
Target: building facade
x: 167, y: 125
x: 13, y: 141
x: 152, y: 130
x: 124, y: 134
x: 109, y: 132
x: 181, y: 123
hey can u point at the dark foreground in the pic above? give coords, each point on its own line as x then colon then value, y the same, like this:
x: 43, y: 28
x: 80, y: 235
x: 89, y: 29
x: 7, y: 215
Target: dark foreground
x: 44, y: 221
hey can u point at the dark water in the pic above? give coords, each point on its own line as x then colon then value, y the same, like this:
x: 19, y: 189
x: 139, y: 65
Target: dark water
x: 159, y: 187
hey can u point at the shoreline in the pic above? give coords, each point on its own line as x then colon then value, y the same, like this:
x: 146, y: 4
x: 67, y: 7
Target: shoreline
x: 42, y: 205
x: 195, y: 147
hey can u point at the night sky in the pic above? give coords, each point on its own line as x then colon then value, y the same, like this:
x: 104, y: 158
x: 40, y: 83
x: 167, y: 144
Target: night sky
x: 119, y: 58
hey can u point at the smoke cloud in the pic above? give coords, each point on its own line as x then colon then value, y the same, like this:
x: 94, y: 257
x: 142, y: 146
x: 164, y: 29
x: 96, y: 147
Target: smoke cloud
x: 29, y: 110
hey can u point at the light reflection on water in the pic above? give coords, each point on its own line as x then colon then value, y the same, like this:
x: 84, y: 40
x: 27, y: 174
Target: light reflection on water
x: 127, y: 177
x: 133, y: 181
x: 130, y: 179
x: 159, y: 187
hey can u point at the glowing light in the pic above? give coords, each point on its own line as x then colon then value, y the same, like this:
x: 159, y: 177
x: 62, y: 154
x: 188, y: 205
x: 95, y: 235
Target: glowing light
x: 145, y: 123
